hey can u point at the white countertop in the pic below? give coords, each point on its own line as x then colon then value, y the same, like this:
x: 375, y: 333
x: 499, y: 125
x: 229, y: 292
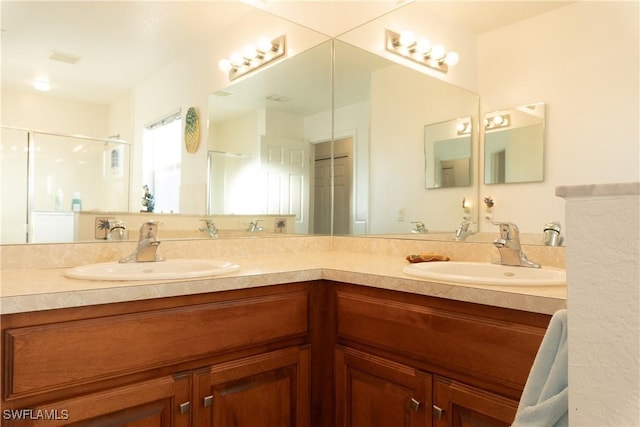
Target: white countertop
x: 44, y: 289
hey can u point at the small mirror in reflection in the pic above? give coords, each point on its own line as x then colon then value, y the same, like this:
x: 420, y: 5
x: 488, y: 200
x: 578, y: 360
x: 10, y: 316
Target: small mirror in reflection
x: 447, y: 151
x: 514, y: 145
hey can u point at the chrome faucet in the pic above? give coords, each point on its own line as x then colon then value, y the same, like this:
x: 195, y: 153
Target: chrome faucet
x: 117, y: 230
x: 210, y: 227
x: 462, y: 232
x: 419, y: 228
x: 509, y: 246
x: 147, y: 244
x: 253, y: 226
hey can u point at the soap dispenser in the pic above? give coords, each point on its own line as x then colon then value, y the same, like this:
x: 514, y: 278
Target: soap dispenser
x: 76, y: 202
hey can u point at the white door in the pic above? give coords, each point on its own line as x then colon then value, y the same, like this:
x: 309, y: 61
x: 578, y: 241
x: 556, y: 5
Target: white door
x: 322, y: 197
x: 285, y: 166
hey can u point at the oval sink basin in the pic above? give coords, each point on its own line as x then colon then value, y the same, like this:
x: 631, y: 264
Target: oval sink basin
x: 162, y: 270
x: 480, y: 273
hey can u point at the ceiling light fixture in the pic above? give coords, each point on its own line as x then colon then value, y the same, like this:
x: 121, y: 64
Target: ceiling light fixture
x: 253, y: 57
x: 420, y: 50
x: 41, y: 85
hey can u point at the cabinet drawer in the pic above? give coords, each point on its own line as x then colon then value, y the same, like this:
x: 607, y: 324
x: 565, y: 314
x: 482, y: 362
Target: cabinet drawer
x: 46, y: 357
x: 496, y: 348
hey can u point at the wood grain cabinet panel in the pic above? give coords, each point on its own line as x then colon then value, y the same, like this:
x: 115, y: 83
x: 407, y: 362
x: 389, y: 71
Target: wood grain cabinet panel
x: 458, y: 405
x: 495, y: 348
x: 270, y: 389
x: 153, y: 403
x: 375, y: 392
x: 88, y: 350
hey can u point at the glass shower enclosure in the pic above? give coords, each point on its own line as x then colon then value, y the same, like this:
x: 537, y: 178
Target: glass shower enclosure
x: 47, y: 179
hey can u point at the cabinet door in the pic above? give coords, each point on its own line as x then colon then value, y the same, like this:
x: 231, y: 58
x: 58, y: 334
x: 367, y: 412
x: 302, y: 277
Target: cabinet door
x: 269, y: 389
x: 162, y: 402
x: 371, y: 392
x: 459, y: 405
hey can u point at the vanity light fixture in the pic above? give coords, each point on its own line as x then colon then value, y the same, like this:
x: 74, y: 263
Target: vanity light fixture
x: 253, y: 57
x: 420, y: 50
x: 497, y: 121
x: 463, y: 127
x: 466, y: 205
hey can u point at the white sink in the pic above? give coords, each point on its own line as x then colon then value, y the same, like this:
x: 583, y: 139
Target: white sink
x: 161, y: 270
x: 480, y: 273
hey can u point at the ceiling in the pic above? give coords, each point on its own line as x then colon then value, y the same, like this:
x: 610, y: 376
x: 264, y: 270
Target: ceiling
x: 147, y: 35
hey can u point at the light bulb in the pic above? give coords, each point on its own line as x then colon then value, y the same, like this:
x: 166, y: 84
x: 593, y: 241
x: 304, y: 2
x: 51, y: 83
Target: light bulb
x: 406, y: 39
x: 452, y: 58
x: 264, y: 44
x: 497, y: 120
x: 250, y: 52
x: 437, y: 52
x: 460, y: 127
x: 423, y: 46
x: 236, y: 59
x: 224, y: 65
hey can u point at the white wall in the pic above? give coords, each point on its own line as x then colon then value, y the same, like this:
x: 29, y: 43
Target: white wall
x: 603, y: 281
x: 47, y: 113
x: 582, y: 61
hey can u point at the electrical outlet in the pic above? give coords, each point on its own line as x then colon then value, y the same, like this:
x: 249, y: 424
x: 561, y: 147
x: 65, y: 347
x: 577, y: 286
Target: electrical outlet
x: 401, y: 215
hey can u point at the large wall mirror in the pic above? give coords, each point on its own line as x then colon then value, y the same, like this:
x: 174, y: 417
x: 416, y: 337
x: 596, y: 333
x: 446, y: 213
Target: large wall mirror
x: 361, y: 132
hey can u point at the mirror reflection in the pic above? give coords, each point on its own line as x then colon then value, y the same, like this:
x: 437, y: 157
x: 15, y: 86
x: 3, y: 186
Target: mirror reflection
x: 261, y: 140
x: 387, y: 126
x: 265, y: 130
x: 514, y: 145
x: 447, y: 152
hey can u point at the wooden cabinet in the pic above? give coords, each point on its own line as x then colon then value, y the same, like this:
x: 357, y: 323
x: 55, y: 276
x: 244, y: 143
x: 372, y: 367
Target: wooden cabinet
x: 460, y: 405
x: 237, y: 358
x: 161, y: 402
x: 409, y: 360
x: 375, y: 392
x: 309, y: 354
x: 265, y: 390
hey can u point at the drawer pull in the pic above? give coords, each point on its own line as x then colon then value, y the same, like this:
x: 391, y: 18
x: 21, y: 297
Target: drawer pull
x: 185, y: 407
x: 414, y: 404
x: 207, y: 401
x: 437, y: 412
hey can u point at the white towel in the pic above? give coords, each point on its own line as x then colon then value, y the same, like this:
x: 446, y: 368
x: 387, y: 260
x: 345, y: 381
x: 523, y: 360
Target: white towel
x: 545, y: 399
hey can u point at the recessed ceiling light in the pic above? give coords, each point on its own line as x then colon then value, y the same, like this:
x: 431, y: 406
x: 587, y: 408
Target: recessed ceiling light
x: 41, y: 85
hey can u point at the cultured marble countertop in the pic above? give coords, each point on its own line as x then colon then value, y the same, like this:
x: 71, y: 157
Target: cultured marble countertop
x: 43, y: 289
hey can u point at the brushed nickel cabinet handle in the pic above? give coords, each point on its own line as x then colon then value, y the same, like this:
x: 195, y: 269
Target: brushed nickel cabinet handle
x: 437, y: 412
x: 414, y: 404
x: 185, y: 407
x: 208, y: 401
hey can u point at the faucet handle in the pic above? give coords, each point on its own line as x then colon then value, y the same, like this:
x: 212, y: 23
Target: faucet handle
x: 149, y: 229
x: 508, y: 230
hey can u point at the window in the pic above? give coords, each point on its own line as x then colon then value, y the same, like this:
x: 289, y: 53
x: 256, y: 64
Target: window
x: 161, y: 166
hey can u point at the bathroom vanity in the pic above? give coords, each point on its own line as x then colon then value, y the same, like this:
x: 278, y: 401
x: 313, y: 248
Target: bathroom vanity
x: 321, y: 340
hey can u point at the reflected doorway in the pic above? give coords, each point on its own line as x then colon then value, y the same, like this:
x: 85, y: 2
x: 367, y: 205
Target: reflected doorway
x: 336, y: 186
